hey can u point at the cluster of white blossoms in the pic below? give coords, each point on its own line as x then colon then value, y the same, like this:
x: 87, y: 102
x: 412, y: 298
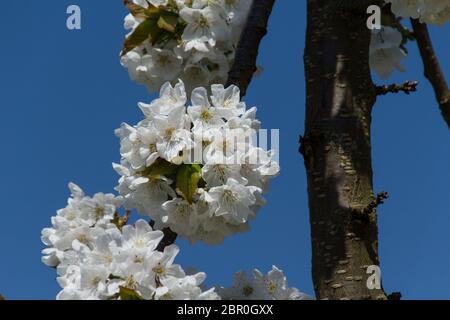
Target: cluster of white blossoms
x: 83, y: 219
x: 257, y: 286
x: 195, y: 169
x: 386, y: 52
x: 386, y: 47
x: 97, y: 259
x: 428, y: 11
x: 192, y: 40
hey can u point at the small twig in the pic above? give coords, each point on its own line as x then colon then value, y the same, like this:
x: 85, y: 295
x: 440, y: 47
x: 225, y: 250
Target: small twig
x: 381, y: 196
x: 244, y: 66
x: 433, y: 71
x: 363, y: 214
x: 407, y: 88
x: 395, y: 296
x: 242, y: 71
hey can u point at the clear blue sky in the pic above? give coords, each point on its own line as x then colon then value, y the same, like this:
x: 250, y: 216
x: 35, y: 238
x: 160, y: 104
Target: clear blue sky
x: 62, y: 93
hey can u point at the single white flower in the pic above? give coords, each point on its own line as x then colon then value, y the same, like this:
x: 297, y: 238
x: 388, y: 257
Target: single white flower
x: 203, y: 26
x: 93, y: 280
x: 202, y: 115
x: 162, y: 64
x: 217, y: 173
x: 132, y: 60
x: 258, y: 167
x: 173, y: 137
x: 226, y: 146
x: 99, y: 209
x: 170, y: 97
x: 227, y: 101
x: 258, y: 286
x: 146, y: 194
x: 385, y: 51
x: 180, y: 216
x: 141, y: 236
x: 138, y: 146
x: 247, y: 121
x: 131, y: 22
x: 195, y: 75
x: 233, y: 201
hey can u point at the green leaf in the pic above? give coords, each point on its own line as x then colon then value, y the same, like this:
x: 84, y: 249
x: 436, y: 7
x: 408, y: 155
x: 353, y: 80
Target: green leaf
x: 140, y: 12
x: 129, y: 294
x: 168, y: 21
x: 156, y: 22
x: 155, y: 33
x: 161, y: 167
x: 142, y: 32
x: 188, y: 177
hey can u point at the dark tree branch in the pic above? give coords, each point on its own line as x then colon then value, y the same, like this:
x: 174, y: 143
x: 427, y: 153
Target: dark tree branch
x: 336, y: 148
x: 244, y: 66
x: 168, y: 239
x: 433, y: 71
x: 379, y: 199
x: 407, y: 88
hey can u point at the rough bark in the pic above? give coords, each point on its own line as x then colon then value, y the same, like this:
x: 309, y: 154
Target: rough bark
x: 433, y: 71
x: 244, y: 65
x: 337, y: 151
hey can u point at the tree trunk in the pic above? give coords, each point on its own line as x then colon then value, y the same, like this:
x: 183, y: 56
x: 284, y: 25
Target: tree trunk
x: 337, y: 151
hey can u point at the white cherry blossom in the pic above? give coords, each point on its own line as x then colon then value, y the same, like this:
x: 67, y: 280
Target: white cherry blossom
x: 200, y: 51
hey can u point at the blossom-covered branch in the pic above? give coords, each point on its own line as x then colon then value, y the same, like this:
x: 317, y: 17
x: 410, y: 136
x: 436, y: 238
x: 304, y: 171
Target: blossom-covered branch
x: 182, y: 39
x: 244, y: 65
x: 98, y: 258
x: 426, y: 11
x: 195, y: 169
x: 388, y: 45
x: 433, y: 71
